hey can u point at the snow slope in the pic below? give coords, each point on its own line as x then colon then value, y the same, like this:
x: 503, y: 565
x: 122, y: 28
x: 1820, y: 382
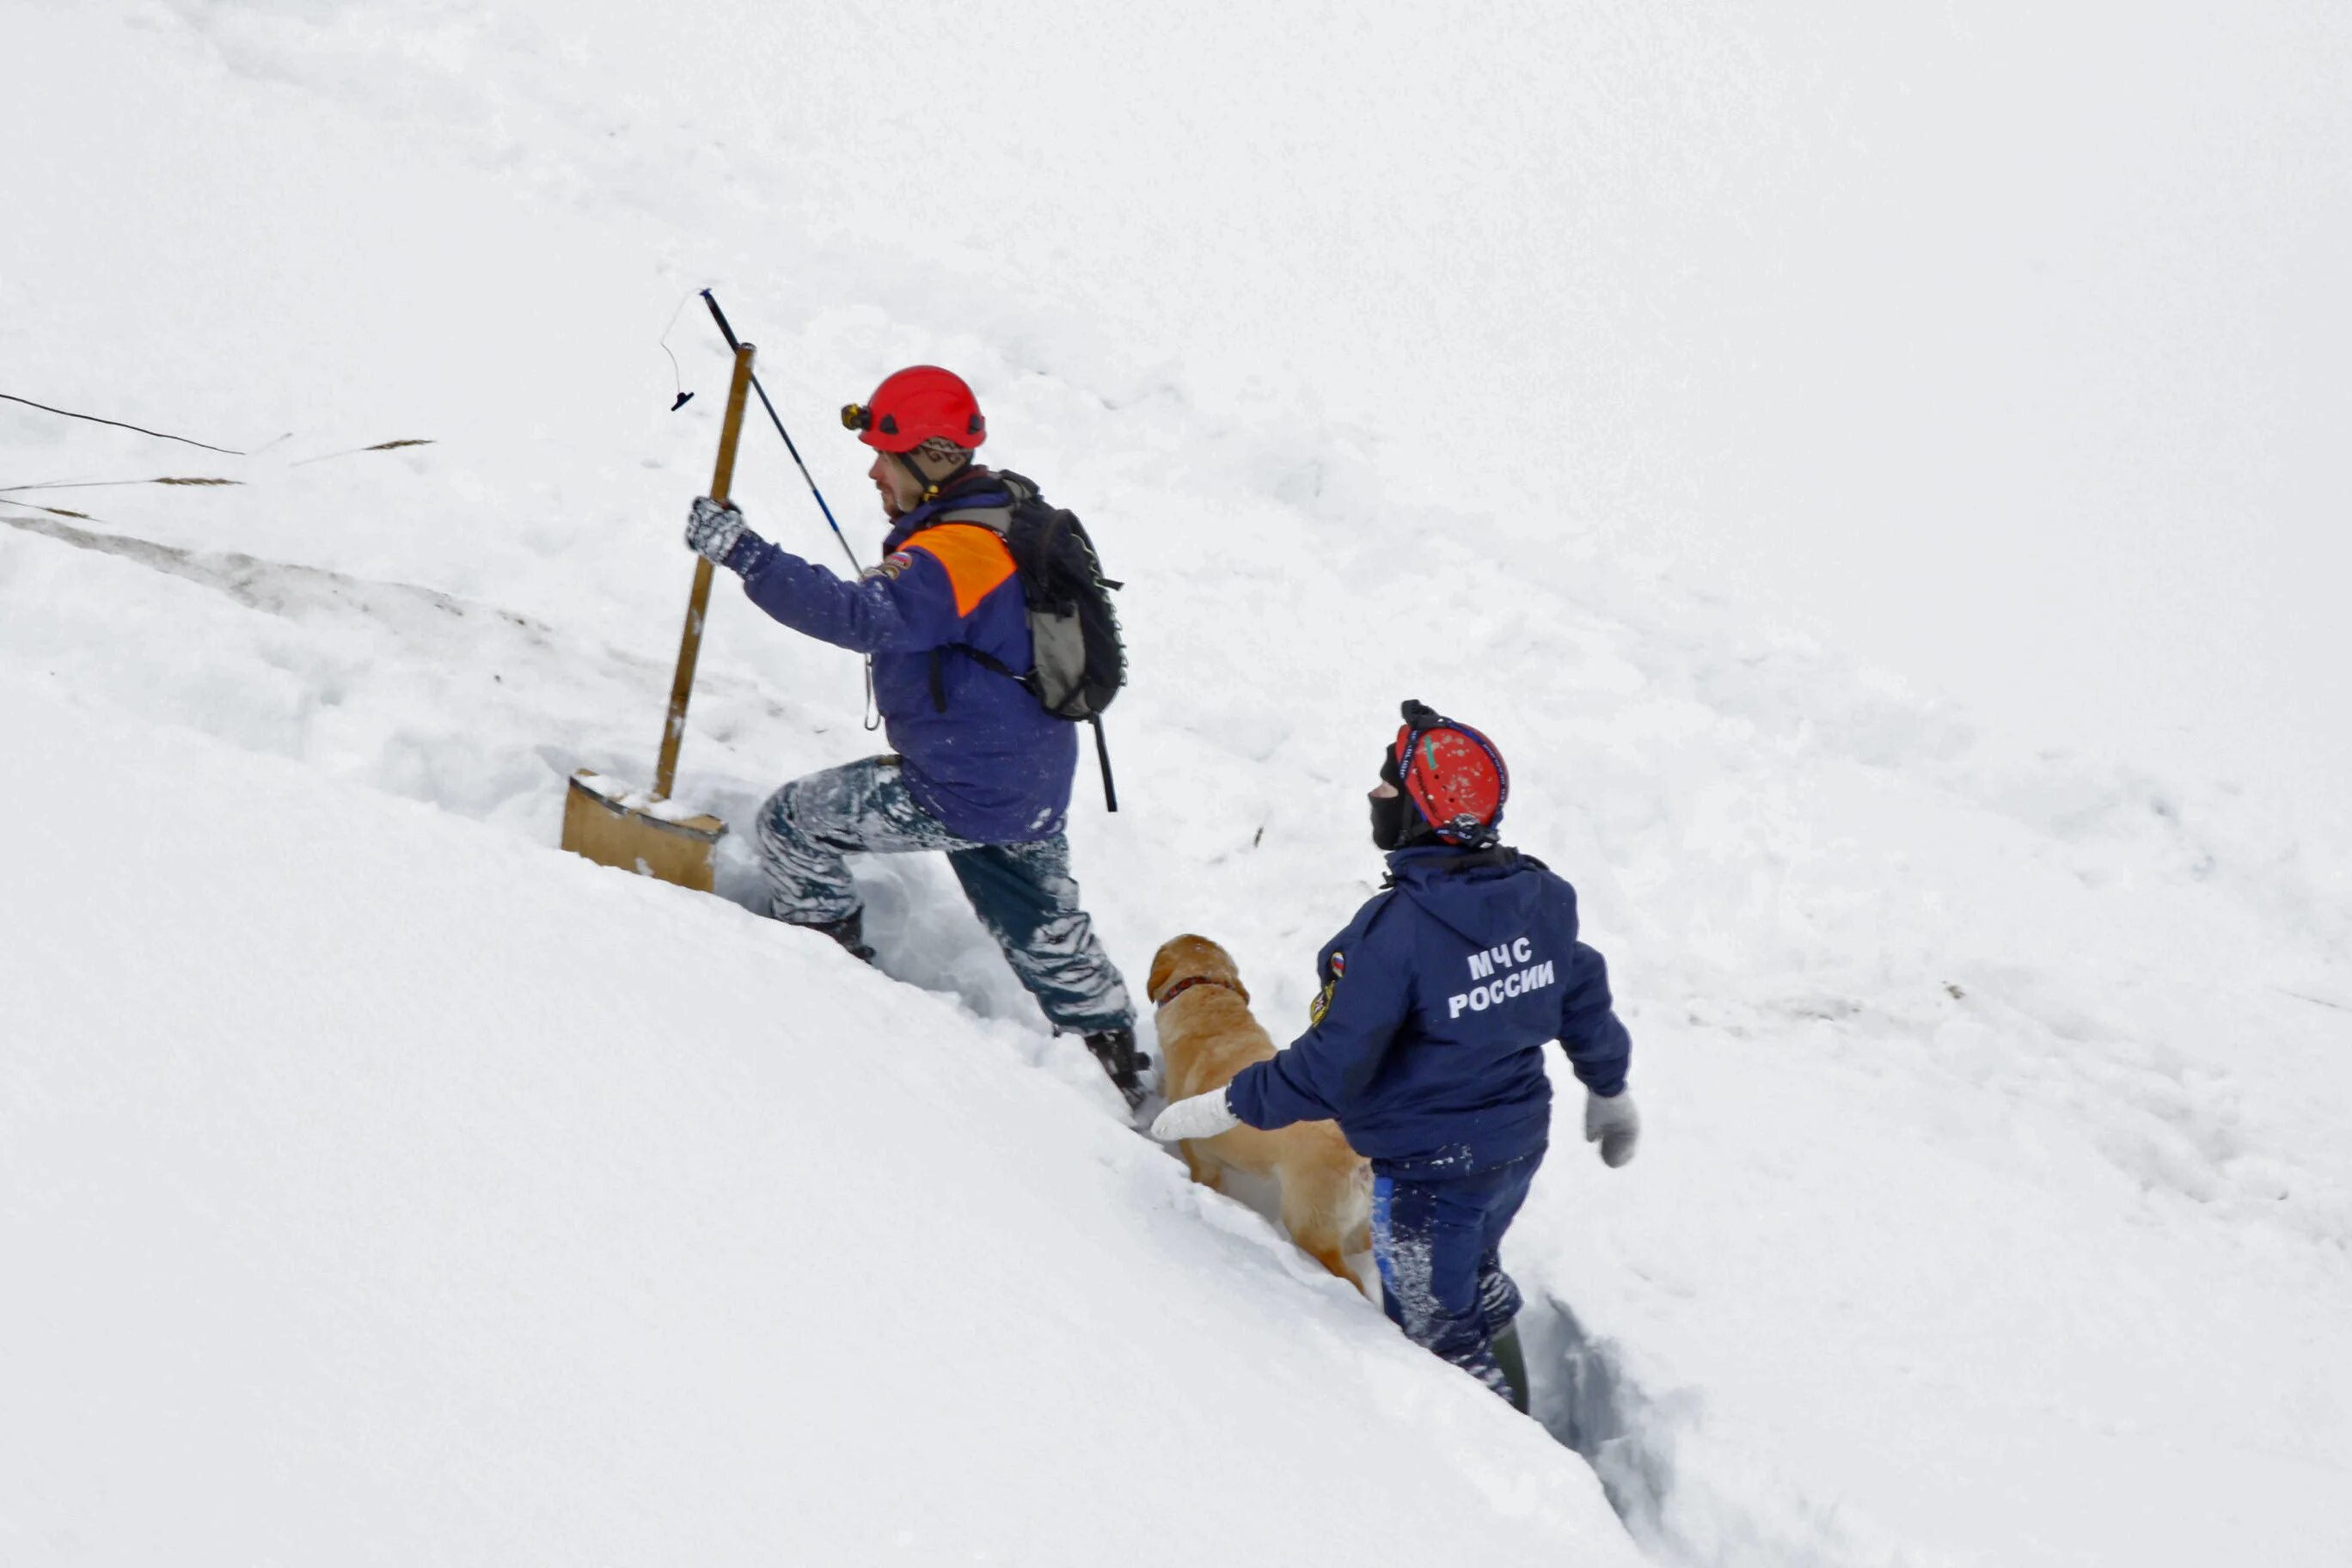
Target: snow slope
x: 1995, y: 1203
x: 400, y: 1192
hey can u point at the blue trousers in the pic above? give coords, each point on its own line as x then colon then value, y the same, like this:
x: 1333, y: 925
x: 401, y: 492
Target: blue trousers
x: 1439, y: 1245
x: 1024, y: 893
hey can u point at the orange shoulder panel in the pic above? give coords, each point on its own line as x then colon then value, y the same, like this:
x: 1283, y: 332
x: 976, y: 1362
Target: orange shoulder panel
x: 976, y: 559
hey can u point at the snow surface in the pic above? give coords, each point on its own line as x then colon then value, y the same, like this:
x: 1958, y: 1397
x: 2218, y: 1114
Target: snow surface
x: 377, y: 1184
x: 404, y: 1192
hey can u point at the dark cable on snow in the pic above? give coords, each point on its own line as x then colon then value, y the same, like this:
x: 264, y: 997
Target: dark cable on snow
x: 119, y: 424
x: 357, y: 451
x: 108, y: 484
x: 39, y: 527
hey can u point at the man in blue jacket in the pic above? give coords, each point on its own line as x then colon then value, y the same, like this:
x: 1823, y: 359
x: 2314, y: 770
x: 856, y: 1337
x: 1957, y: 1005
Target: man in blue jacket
x: 982, y: 770
x: 1427, y: 1046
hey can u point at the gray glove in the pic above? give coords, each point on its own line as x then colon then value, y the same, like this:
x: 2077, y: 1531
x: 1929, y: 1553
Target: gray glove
x: 1202, y: 1116
x: 714, y: 528
x: 1614, y: 1124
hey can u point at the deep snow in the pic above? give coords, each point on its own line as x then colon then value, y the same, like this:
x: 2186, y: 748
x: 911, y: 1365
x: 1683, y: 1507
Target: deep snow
x: 404, y: 1192
x: 1995, y: 1203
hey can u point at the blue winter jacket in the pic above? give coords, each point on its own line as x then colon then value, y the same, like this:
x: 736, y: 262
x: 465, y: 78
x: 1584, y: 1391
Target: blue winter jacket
x: 982, y: 754
x: 1427, y: 1042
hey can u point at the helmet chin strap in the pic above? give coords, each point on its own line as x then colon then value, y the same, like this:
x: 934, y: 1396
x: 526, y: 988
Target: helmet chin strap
x: 906, y: 460
x: 930, y: 488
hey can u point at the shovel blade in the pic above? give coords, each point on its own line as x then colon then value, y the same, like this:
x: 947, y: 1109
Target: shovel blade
x: 613, y: 824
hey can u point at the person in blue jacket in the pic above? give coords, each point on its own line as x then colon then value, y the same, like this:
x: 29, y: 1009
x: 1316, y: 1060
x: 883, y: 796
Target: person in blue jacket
x: 981, y: 769
x: 1427, y: 1046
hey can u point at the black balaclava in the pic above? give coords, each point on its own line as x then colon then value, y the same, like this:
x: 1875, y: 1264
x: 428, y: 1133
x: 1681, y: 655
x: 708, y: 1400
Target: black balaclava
x: 1395, y: 822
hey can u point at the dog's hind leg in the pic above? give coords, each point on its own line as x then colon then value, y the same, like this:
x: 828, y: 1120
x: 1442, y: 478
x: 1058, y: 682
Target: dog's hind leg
x: 1356, y: 1238
x: 1316, y: 1221
x: 1209, y: 1172
x: 1333, y: 1259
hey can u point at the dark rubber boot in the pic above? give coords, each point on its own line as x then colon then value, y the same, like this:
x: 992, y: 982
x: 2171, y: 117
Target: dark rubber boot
x: 1116, y: 1049
x: 1514, y: 1363
x: 850, y: 931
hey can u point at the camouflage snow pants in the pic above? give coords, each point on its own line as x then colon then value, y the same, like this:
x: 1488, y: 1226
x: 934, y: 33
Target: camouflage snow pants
x: 1439, y: 1248
x: 1023, y: 892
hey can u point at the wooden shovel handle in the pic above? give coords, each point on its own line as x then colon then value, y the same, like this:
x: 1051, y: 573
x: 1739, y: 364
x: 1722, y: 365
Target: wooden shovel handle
x: 689, y: 645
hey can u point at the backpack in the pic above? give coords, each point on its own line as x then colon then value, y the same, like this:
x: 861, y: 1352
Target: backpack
x: 1078, y: 661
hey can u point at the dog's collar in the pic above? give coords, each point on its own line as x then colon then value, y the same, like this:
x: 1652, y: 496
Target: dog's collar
x: 1186, y: 985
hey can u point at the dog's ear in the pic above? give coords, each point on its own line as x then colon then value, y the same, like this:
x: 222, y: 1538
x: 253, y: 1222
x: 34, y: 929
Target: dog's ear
x: 1163, y: 968
x: 1220, y: 964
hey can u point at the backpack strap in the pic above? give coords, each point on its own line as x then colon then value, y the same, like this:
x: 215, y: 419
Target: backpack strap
x: 992, y: 508
x: 938, y: 668
x: 978, y: 561
x: 1102, y: 754
x: 997, y: 520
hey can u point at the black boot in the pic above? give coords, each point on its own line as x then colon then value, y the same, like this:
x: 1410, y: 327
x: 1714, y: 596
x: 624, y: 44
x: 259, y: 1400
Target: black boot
x: 850, y: 931
x: 1514, y: 1363
x: 1116, y: 1049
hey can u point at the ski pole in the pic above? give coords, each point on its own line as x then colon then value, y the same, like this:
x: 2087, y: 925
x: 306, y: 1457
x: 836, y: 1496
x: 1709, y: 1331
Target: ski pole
x: 720, y: 316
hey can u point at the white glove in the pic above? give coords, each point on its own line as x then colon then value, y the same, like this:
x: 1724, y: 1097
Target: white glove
x: 1202, y: 1116
x: 1614, y: 1124
x: 713, y: 529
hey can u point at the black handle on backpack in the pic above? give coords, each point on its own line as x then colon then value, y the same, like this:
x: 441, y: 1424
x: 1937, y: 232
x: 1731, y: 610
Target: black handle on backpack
x: 1102, y: 754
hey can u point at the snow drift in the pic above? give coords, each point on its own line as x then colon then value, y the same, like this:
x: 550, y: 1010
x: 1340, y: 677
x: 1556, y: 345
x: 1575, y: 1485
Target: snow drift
x: 387, y: 1190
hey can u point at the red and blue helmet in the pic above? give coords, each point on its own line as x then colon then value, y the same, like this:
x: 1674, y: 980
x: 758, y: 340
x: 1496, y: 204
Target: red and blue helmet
x: 1452, y: 774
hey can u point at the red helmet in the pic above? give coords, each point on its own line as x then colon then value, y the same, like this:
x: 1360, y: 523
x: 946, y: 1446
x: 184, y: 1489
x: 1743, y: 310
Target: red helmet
x: 913, y: 404
x: 1453, y: 775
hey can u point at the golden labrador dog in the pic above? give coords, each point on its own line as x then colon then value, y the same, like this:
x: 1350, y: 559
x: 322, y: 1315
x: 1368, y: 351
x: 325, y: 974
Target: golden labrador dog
x: 1206, y: 1035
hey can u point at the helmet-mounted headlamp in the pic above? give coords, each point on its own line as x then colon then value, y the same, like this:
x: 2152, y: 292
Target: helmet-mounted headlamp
x: 915, y: 405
